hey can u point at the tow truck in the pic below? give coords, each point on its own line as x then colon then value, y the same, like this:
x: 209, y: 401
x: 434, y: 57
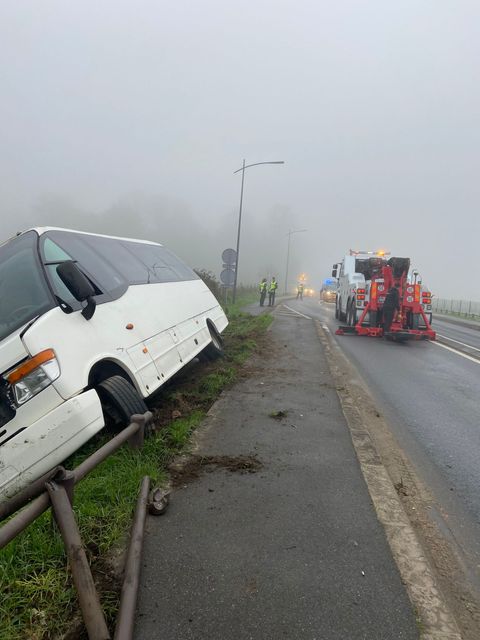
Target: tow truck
x: 367, y: 295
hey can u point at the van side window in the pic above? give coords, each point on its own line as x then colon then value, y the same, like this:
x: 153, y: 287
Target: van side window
x: 108, y: 280
x: 116, y: 252
x: 164, y: 264
x: 55, y: 254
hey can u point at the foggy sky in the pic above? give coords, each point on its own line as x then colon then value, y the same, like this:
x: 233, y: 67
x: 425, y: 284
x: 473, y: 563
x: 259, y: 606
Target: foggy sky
x: 131, y: 117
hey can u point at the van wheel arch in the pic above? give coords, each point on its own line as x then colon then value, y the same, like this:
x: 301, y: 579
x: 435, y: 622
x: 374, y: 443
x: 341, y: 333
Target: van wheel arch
x: 105, y: 369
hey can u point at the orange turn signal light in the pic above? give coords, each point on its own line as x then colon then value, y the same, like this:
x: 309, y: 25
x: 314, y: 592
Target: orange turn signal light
x: 30, y: 365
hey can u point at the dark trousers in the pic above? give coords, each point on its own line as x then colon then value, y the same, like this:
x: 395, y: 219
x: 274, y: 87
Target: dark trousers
x: 271, y: 298
x: 388, y: 313
x: 263, y: 295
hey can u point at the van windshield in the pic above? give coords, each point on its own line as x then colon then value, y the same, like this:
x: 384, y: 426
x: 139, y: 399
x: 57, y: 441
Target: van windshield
x: 24, y: 294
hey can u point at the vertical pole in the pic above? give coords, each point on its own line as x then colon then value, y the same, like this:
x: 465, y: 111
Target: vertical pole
x: 128, y: 599
x: 82, y: 576
x: 238, y: 234
x: 288, y: 260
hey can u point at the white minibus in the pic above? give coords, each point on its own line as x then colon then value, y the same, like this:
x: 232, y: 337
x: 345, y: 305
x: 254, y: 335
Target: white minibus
x: 90, y: 326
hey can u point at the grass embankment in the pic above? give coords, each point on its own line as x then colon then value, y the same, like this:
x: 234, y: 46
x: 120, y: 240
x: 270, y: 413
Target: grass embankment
x: 38, y: 601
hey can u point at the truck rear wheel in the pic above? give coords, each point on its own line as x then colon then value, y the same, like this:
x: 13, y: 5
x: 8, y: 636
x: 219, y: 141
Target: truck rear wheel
x: 120, y: 401
x: 352, y: 314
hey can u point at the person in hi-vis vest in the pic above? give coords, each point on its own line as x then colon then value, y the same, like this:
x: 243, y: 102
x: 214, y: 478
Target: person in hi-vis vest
x: 263, y: 291
x: 271, y: 291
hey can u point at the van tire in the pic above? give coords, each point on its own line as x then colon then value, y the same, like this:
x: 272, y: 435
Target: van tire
x: 214, y: 350
x: 120, y: 401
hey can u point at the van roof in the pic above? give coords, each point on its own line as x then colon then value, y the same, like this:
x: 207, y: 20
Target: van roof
x: 42, y: 230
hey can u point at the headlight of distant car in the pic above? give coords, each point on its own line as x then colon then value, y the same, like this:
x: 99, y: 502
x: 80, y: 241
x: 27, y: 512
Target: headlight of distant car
x: 33, y: 375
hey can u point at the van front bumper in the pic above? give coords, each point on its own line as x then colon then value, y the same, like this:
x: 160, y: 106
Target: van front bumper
x: 47, y: 442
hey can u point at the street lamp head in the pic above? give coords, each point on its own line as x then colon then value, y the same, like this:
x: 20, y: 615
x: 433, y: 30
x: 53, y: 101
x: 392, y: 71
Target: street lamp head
x: 255, y: 164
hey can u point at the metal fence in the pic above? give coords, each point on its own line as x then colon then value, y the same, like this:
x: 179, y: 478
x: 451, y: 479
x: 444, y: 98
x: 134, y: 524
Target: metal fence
x: 463, y: 308
x: 57, y: 492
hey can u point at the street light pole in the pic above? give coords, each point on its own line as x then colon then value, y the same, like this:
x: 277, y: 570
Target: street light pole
x: 289, y: 234
x: 238, y: 233
x: 242, y: 169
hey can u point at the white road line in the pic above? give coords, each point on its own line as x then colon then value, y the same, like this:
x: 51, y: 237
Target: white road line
x: 297, y: 312
x: 464, y: 344
x: 459, y: 353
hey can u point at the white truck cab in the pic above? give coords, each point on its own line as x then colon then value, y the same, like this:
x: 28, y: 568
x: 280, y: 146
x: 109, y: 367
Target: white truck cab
x: 353, y: 275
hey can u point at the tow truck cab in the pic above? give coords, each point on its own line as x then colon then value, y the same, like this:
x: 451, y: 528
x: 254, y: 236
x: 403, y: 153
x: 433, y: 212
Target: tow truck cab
x: 354, y: 273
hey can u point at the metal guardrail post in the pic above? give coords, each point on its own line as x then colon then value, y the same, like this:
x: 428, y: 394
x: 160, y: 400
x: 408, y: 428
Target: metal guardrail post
x: 82, y: 576
x: 128, y: 600
x: 137, y: 439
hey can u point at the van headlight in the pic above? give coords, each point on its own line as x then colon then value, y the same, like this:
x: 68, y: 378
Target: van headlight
x: 33, y: 375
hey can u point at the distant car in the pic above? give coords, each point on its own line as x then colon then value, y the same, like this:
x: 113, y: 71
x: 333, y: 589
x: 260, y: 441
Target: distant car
x: 328, y: 293
x: 90, y: 326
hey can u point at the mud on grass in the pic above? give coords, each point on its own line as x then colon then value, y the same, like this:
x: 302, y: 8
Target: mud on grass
x: 38, y: 600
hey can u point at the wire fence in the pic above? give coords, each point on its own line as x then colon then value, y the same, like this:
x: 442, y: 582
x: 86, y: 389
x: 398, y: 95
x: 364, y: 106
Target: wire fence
x: 463, y: 308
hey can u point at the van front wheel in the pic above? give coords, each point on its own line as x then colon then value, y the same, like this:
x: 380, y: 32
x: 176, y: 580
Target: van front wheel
x: 120, y: 401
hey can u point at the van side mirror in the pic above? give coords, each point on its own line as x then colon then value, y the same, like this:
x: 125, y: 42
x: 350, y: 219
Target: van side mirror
x: 78, y: 285
x: 334, y: 273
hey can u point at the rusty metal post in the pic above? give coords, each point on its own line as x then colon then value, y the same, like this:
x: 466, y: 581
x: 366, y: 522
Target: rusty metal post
x: 128, y: 600
x: 82, y: 576
x: 138, y: 438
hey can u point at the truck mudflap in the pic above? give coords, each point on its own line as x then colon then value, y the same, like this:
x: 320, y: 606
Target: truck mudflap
x: 399, y: 335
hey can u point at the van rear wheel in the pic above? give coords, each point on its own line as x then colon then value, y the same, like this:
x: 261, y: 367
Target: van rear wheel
x: 213, y: 350
x: 120, y: 401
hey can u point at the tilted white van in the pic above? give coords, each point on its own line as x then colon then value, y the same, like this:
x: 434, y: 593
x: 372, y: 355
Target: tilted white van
x: 90, y: 326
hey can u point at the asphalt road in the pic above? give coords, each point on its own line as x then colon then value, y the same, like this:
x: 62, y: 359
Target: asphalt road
x: 430, y: 395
